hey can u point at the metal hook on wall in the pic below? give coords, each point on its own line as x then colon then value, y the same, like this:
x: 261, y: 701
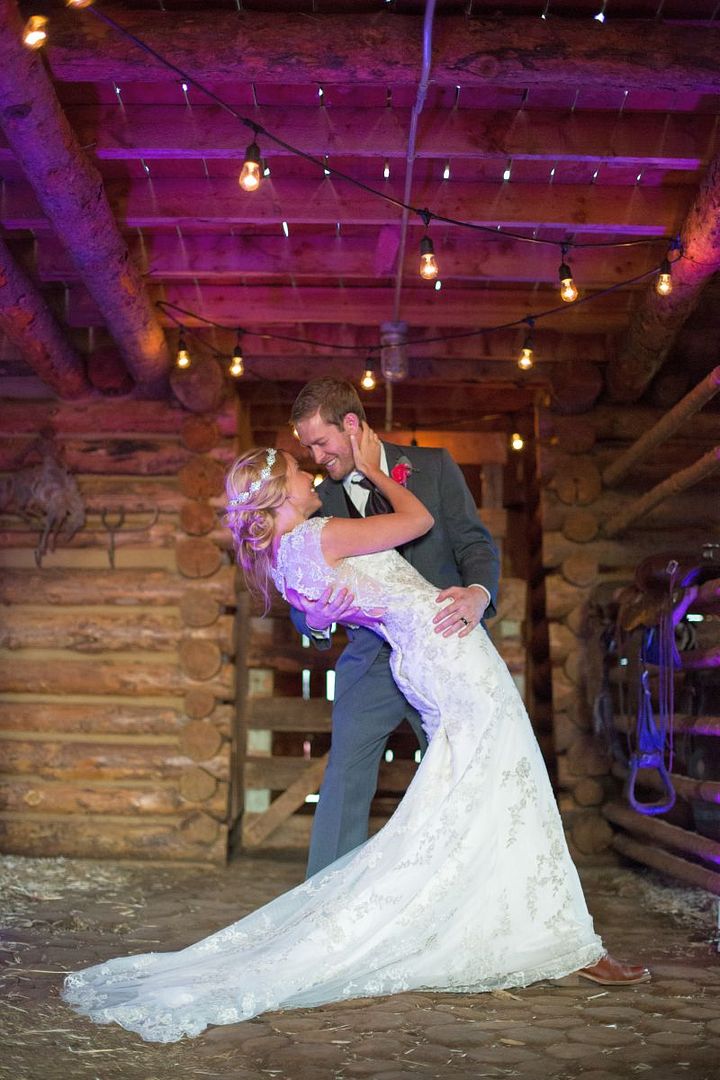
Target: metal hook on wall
x: 112, y: 522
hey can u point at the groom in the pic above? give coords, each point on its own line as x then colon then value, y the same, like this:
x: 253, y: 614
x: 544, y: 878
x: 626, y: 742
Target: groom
x: 457, y: 555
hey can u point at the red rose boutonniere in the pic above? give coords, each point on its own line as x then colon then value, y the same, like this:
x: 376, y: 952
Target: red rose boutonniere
x: 401, y: 472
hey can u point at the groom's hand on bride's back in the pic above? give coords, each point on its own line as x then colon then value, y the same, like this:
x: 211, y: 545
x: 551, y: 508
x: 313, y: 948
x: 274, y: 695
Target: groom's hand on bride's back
x: 333, y: 606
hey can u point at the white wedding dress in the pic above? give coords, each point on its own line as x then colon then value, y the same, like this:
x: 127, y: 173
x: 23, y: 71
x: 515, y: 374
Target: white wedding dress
x: 469, y: 886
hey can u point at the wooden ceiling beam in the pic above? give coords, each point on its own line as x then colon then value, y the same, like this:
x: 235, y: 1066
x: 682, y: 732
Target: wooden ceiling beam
x: 264, y: 306
x: 463, y: 256
x: 158, y: 132
x: 423, y: 372
x: 658, y: 319
x: 500, y: 347
x: 28, y: 323
x: 70, y: 191
x: 488, y: 349
x: 203, y: 204
x: 385, y: 48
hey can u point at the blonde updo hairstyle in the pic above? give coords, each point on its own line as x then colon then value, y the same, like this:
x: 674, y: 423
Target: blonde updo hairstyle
x: 252, y: 523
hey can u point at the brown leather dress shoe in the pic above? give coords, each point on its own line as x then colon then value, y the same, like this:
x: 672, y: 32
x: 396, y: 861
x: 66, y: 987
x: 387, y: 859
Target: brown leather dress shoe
x: 610, y: 972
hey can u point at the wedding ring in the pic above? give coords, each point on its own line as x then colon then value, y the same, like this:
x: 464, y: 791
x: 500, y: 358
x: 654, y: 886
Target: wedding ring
x: 464, y: 620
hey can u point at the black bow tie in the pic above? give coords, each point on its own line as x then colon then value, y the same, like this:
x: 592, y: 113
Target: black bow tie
x: 376, y: 503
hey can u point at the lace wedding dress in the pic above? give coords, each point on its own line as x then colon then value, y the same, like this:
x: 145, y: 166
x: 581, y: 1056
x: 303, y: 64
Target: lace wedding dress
x: 469, y: 886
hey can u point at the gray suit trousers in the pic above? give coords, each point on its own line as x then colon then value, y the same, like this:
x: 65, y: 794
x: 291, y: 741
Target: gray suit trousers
x: 363, y: 718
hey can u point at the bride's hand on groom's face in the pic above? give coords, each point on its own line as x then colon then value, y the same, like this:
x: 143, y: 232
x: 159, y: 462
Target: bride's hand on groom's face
x: 365, y: 447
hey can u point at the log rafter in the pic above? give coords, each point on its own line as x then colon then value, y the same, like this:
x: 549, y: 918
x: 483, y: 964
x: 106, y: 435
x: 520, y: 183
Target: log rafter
x: 657, y: 322
x: 70, y: 191
x: 27, y: 321
x: 349, y: 49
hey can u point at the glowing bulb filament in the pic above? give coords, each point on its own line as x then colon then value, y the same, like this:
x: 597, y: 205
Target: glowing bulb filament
x: 251, y: 172
x: 429, y: 268
x: 183, y: 358
x: 568, y: 290
x: 237, y: 367
x: 516, y: 441
x: 35, y: 32
x: 368, y: 381
x: 525, y: 361
x: 663, y: 285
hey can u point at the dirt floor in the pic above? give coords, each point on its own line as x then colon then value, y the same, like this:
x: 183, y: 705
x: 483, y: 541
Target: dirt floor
x: 59, y: 914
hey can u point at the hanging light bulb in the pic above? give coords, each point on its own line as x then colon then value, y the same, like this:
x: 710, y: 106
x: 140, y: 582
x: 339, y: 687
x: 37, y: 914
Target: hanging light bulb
x: 237, y: 367
x: 526, y: 358
x: 368, y: 381
x: 251, y: 172
x: 429, y: 268
x: 568, y: 288
x: 35, y: 32
x: 663, y: 285
x: 516, y: 441
x: 183, y: 356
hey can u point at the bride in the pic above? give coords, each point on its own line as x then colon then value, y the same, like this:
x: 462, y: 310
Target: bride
x: 469, y: 887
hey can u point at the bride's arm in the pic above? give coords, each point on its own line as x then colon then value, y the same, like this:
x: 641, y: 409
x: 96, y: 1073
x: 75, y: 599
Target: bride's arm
x: 362, y: 536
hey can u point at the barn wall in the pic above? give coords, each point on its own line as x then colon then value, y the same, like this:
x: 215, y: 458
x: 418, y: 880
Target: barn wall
x: 117, y: 683
x: 584, y: 568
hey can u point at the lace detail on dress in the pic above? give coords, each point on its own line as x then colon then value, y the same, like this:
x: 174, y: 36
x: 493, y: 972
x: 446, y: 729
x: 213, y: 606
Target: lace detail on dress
x: 300, y: 560
x: 469, y: 886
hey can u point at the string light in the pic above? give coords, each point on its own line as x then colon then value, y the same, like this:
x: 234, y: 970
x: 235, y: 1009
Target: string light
x: 237, y: 367
x: 516, y: 441
x: 568, y: 288
x: 527, y: 359
x: 663, y: 285
x: 368, y: 381
x: 35, y: 32
x: 251, y: 172
x: 429, y: 268
x: 183, y: 356
x: 386, y: 196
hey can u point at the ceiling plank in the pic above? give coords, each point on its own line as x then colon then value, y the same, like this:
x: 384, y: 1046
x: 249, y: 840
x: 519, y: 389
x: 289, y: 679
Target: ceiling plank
x: 202, y: 204
x: 157, y: 132
x: 265, y: 305
x: 70, y: 192
x: 294, y: 49
x: 462, y: 256
x: 658, y: 319
x: 28, y: 323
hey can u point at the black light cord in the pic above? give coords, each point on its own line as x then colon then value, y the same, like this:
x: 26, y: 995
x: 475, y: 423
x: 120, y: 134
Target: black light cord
x: 423, y: 213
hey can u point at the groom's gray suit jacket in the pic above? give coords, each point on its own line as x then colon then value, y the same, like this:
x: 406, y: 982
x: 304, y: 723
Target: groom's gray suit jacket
x: 458, y: 550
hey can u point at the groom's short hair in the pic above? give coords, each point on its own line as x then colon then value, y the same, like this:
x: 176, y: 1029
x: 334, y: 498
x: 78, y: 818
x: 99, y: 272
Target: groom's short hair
x: 332, y: 398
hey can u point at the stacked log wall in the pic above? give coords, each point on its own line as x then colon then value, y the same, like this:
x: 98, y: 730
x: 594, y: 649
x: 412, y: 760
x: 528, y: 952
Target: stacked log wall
x: 582, y: 566
x: 117, y: 684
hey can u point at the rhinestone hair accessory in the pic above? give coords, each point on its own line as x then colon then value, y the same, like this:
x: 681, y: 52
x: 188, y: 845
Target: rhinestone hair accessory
x: 243, y: 496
